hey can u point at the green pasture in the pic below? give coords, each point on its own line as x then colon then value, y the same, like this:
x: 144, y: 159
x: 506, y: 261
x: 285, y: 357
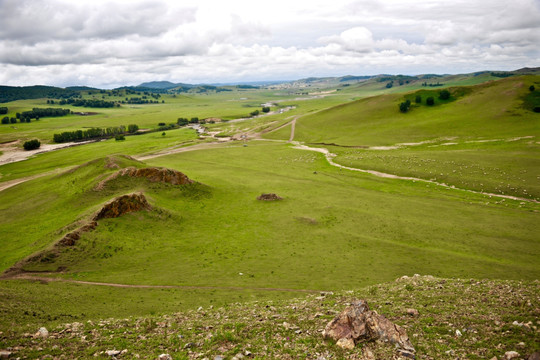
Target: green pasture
x: 334, y: 229
x: 132, y: 145
x: 490, y: 110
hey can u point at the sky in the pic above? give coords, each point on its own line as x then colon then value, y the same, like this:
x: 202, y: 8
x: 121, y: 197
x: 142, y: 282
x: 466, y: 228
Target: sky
x: 111, y: 43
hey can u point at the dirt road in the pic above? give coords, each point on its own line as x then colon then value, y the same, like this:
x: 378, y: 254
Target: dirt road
x: 185, y: 287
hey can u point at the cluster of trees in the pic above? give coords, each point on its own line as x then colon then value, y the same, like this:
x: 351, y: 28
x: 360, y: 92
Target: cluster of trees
x: 140, y: 100
x: 430, y: 100
x: 12, y: 93
x: 432, y: 85
x: 404, y: 106
x: 89, y: 103
x: 37, y: 113
x: 94, y: 133
x: 266, y: 109
x: 32, y: 144
x: 3, y: 110
x: 502, y: 74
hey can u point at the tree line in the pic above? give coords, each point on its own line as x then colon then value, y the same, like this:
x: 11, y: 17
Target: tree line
x: 94, y: 133
x: 94, y: 103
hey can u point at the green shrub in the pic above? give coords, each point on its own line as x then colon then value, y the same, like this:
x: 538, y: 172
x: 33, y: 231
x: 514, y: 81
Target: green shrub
x: 444, y: 95
x: 32, y: 144
x: 430, y: 101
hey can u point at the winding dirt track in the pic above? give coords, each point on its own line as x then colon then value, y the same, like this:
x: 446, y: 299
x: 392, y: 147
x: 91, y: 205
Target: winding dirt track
x: 182, y: 287
x: 330, y: 158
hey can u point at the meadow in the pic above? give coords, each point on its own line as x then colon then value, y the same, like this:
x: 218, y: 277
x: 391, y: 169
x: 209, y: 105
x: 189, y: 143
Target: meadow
x: 213, y: 243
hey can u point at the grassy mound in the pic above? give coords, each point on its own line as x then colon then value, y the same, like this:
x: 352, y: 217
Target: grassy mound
x: 473, y: 319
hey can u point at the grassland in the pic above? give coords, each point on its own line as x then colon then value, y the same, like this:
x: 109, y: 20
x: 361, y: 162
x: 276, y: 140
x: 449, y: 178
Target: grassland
x: 490, y: 315
x: 213, y: 243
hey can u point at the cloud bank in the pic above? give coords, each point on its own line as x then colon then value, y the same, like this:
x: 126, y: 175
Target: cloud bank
x: 114, y: 43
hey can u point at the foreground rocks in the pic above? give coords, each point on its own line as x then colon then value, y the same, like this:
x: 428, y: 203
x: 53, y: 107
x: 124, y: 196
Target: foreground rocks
x: 358, y: 324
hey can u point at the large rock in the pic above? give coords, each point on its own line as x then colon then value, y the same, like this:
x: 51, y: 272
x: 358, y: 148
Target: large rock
x: 122, y: 205
x: 358, y: 324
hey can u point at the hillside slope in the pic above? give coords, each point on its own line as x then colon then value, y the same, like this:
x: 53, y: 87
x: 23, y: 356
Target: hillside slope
x: 472, y: 319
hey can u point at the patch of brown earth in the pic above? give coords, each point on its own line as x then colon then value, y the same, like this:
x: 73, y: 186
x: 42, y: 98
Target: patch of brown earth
x: 153, y: 174
x: 269, y: 197
x: 122, y: 205
x: 71, y: 238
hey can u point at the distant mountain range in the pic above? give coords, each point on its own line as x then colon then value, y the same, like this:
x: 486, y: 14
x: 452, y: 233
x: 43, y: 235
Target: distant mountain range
x: 12, y: 93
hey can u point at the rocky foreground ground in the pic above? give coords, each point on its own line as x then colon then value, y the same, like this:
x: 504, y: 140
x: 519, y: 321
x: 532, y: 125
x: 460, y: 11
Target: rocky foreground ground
x: 443, y: 318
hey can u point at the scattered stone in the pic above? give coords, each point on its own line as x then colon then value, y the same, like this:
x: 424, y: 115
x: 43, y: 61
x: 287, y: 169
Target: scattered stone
x: 112, y: 352
x: 269, y: 197
x: 247, y: 353
x: 42, y: 333
x: 534, y: 356
x: 413, y: 312
x: 218, y: 357
x: 458, y: 333
x: 511, y: 355
x: 346, y: 343
x: 494, y: 358
x: 359, y: 324
x: 165, y: 357
x: 4, y: 354
x: 238, y: 356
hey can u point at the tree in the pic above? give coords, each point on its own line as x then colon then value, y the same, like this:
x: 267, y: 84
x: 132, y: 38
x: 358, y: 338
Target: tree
x: 5, y: 120
x: 430, y: 101
x: 32, y: 144
x: 444, y: 95
x: 3, y: 110
x: 390, y: 84
x: 161, y: 124
x: 120, y: 137
x: 194, y: 120
x: 133, y: 128
x: 163, y: 133
x: 265, y: 109
x: 531, y: 89
x: 182, y: 122
x: 13, y: 120
x: 254, y: 113
x: 418, y: 99
x: 403, y: 107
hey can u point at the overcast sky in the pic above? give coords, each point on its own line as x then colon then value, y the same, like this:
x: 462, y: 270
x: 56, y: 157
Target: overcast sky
x: 112, y: 43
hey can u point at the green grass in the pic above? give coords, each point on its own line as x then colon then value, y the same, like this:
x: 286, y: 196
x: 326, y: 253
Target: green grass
x: 491, y: 110
x: 479, y: 309
x: 133, y: 145
x: 334, y: 229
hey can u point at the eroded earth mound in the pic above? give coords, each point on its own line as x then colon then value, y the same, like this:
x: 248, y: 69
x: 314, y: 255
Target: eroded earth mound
x: 123, y: 205
x: 153, y: 174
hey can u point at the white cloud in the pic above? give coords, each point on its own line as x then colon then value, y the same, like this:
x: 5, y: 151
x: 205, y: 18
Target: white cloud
x: 117, y: 42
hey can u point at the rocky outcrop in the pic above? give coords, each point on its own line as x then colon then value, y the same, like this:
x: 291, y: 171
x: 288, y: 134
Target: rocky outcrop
x: 358, y: 324
x: 71, y: 238
x: 153, y: 174
x: 122, y: 205
x: 269, y: 197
